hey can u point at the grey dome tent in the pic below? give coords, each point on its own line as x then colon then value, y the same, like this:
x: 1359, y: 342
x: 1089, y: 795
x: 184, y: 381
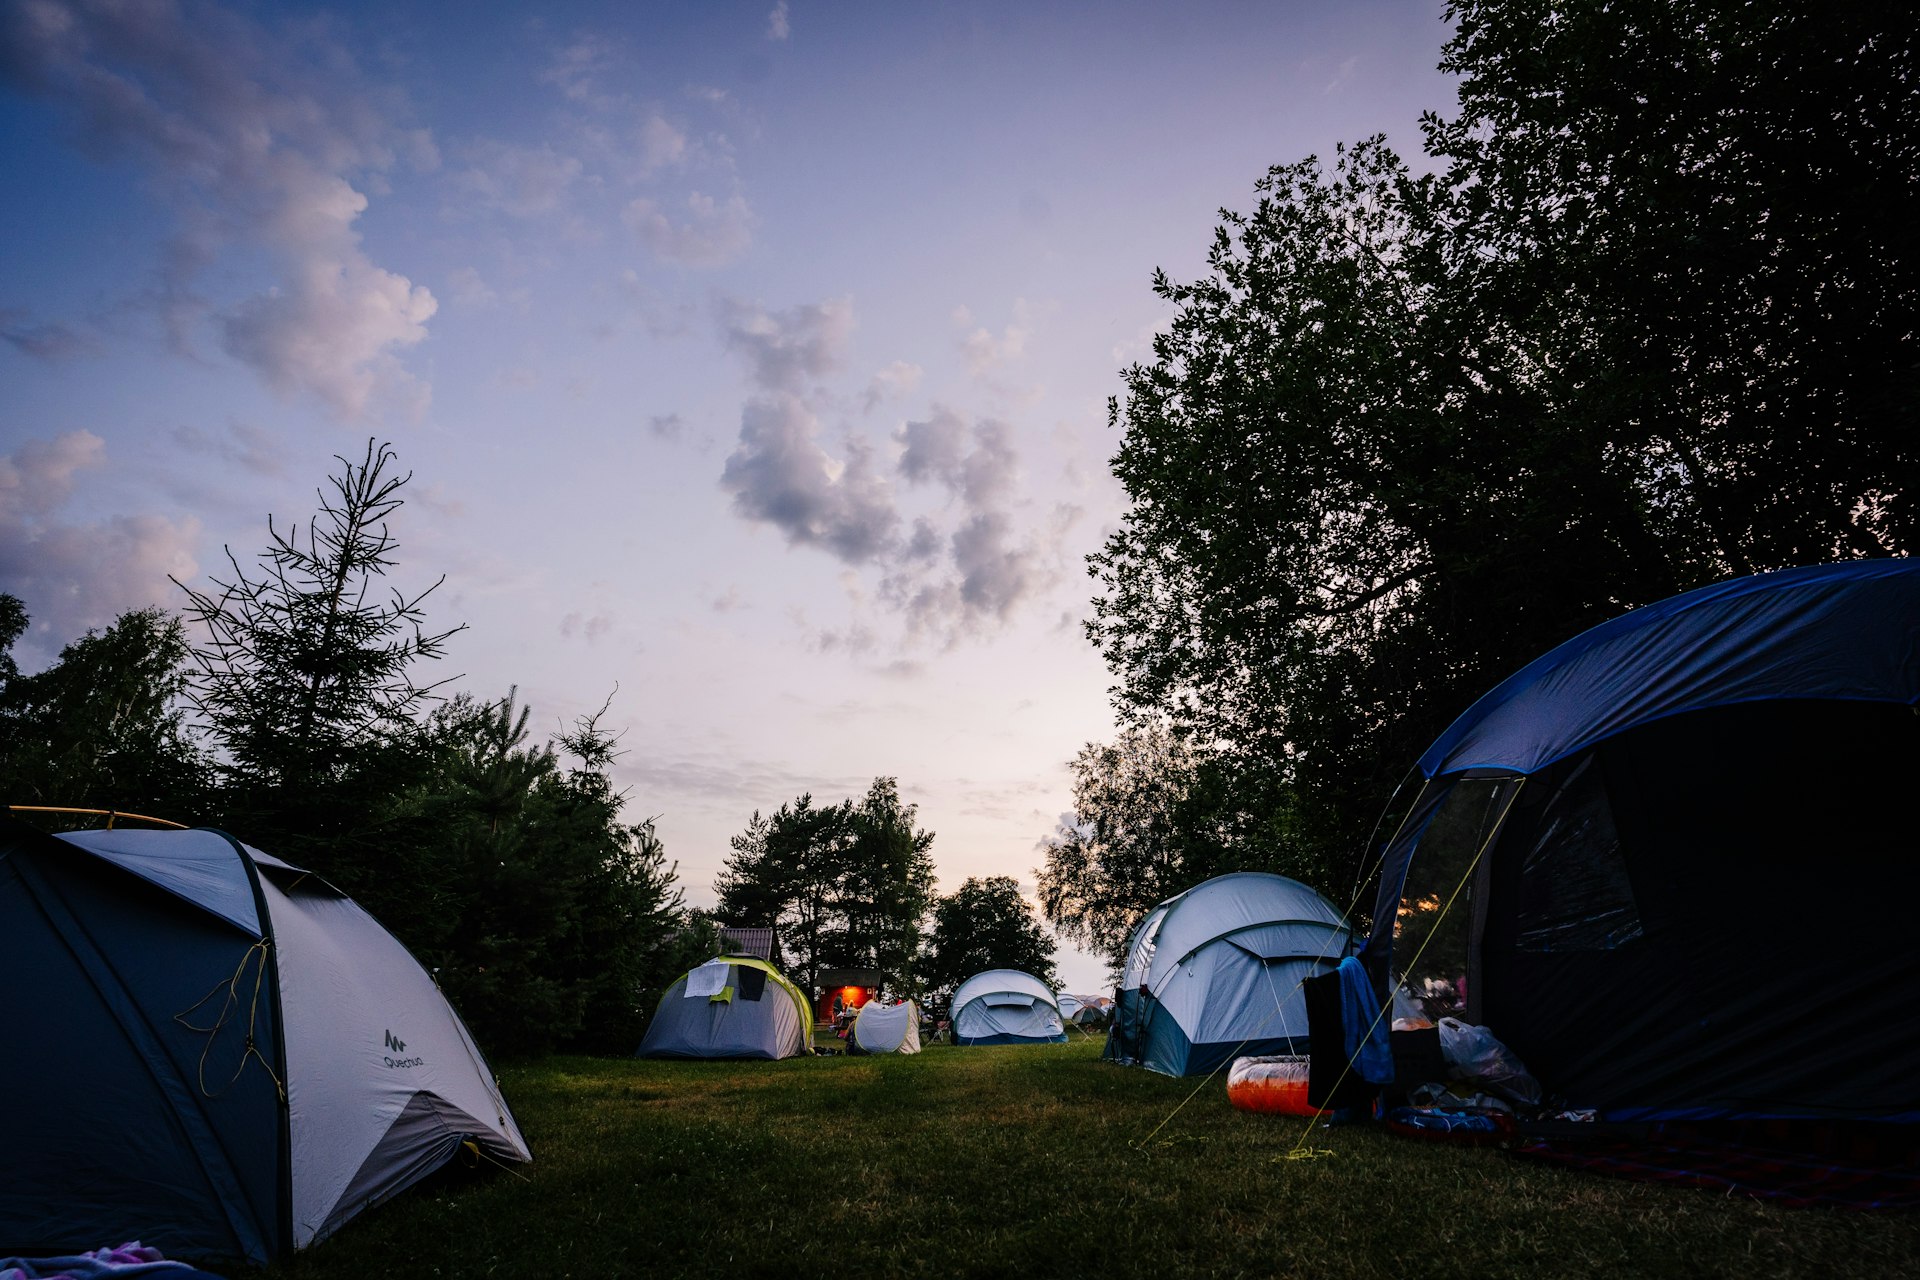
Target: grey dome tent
x: 213, y: 1051
x: 885, y: 1028
x: 1006, y: 1006
x: 733, y: 1007
x: 1684, y: 855
x: 1216, y: 971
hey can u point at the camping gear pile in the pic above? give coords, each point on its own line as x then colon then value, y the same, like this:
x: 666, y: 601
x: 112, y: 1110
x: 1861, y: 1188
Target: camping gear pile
x: 215, y: 1050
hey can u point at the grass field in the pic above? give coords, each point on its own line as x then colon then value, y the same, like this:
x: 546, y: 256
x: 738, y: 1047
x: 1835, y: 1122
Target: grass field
x: 1028, y: 1161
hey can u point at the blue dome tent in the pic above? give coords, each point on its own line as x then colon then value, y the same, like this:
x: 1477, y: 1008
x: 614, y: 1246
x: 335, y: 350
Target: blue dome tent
x: 1216, y: 971
x: 1672, y: 863
x: 1006, y: 1006
x: 213, y: 1051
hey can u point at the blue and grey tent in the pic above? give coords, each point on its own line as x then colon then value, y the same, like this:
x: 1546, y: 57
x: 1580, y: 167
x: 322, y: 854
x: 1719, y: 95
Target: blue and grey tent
x: 1216, y: 971
x: 1006, y: 1006
x: 1673, y: 864
x: 212, y: 1051
x: 732, y: 1007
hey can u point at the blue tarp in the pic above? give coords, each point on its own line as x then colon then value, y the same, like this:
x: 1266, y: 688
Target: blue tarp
x: 1839, y: 631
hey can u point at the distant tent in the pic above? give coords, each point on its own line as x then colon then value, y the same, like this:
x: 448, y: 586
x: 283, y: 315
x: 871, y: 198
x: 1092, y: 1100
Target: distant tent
x: 733, y: 1007
x: 886, y: 1028
x: 1087, y: 1009
x: 1215, y: 972
x: 1006, y: 1006
x: 214, y: 1052
x: 1684, y: 855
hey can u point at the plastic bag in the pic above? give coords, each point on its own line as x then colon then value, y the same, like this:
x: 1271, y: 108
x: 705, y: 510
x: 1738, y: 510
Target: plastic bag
x: 1476, y: 1054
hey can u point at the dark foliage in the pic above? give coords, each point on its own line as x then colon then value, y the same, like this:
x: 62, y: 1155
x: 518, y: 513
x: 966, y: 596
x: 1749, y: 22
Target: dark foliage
x: 846, y: 885
x: 1652, y: 324
x: 984, y: 924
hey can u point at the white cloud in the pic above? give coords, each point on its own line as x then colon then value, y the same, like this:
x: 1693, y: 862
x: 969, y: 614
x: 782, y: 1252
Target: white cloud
x: 778, y: 25
x: 779, y: 474
x: 786, y: 349
x: 466, y: 287
x: 712, y: 233
x: 75, y: 576
x: 986, y: 351
x: 577, y: 66
x: 253, y: 139
x: 661, y: 143
x: 523, y: 182
x: 897, y: 379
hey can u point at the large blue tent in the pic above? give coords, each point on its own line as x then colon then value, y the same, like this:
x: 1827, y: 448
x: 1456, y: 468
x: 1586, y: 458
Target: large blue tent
x: 1672, y: 863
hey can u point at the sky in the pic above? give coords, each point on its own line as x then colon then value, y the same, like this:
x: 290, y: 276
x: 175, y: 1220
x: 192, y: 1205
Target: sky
x: 751, y: 360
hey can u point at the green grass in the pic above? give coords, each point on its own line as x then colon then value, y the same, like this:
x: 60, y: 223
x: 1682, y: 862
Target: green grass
x: 1027, y: 1161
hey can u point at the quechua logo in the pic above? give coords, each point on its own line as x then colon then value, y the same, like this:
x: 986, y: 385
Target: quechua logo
x: 395, y: 1049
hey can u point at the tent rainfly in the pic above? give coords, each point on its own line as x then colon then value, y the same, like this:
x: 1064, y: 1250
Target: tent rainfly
x: 886, y: 1028
x: 733, y: 1007
x: 1685, y: 856
x: 1216, y: 971
x: 213, y: 1051
x: 1006, y: 1006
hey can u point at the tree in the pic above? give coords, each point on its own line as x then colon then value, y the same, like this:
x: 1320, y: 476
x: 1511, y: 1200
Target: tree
x: 548, y: 921
x: 845, y: 885
x: 303, y: 679
x: 102, y: 727
x: 985, y: 924
x: 1410, y: 431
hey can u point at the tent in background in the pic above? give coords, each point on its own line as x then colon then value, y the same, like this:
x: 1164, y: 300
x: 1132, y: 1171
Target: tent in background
x: 1685, y: 856
x: 1216, y: 971
x: 213, y: 1051
x: 1006, y: 1006
x: 886, y: 1028
x: 733, y: 1007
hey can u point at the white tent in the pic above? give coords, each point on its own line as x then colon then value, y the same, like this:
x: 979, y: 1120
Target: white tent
x: 246, y: 1059
x: 1006, y: 1006
x: 886, y: 1028
x: 1216, y: 972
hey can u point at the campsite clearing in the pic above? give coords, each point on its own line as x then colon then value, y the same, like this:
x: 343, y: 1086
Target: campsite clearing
x: 1025, y: 1160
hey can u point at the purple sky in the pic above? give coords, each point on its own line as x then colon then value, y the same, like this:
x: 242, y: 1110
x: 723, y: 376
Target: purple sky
x: 751, y: 359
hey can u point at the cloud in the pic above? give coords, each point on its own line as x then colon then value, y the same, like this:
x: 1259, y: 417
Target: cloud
x: 589, y: 627
x: 76, y: 576
x: 712, y: 234
x: 466, y: 287
x: 785, y: 350
x: 780, y: 475
x: 666, y: 426
x: 660, y: 143
x: 778, y: 26
x: 897, y: 379
x: 938, y: 450
x: 253, y: 139
x: 258, y: 450
x: 577, y: 66
x: 47, y: 340
x: 332, y: 333
x: 986, y: 351
x: 520, y: 181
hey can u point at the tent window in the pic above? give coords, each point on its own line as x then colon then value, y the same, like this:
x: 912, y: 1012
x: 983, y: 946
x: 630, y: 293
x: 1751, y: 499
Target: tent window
x: 753, y: 982
x: 1574, y: 891
x: 1433, y: 934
